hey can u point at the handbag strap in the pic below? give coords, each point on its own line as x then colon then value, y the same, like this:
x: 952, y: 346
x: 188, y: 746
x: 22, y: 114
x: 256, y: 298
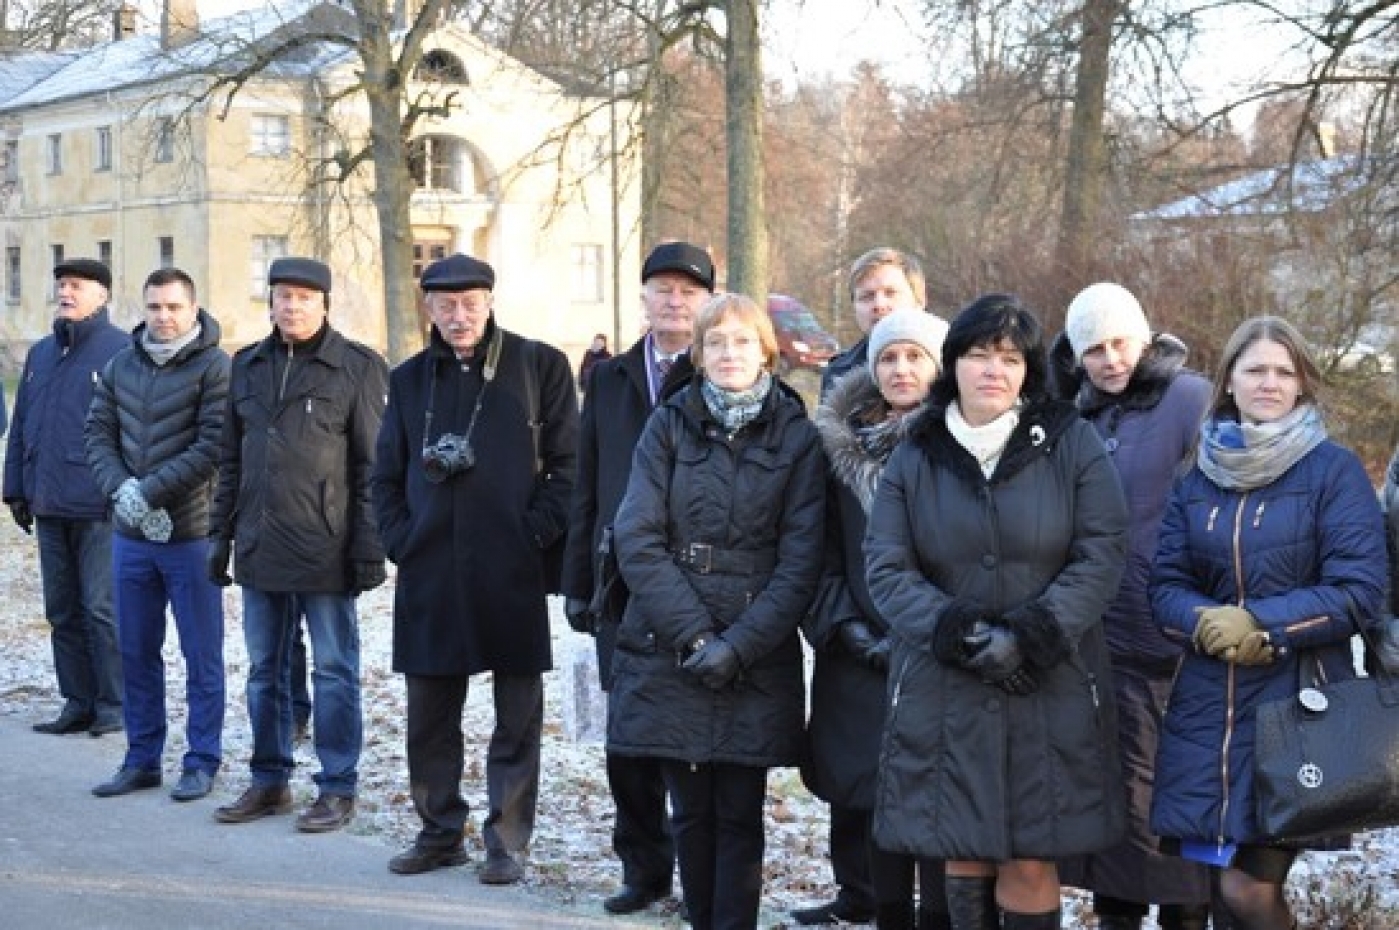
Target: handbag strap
x: 1388, y: 686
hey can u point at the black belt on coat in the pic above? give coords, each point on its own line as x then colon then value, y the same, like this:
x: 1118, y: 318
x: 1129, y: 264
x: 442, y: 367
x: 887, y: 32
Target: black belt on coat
x: 705, y: 559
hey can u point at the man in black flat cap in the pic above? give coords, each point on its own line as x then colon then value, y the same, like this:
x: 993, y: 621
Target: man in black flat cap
x: 51, y: 492
x: 293, y: 506
x: 677, y: 278
x: 472, y: 478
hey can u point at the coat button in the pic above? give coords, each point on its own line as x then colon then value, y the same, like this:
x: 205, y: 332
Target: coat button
x: 988, y: 561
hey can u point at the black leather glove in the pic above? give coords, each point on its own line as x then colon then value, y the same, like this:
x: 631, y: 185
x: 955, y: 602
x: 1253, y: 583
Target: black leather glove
x: 579, y: 616
x: 217, y: 565
x: 993, y: 652
x: 713, y: 661
x: 366, y: 575
x: 862, y: 642
x: 23, y: 516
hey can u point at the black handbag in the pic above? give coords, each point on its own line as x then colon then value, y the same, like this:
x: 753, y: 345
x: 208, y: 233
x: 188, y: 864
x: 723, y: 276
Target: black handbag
x: 1326, y: 760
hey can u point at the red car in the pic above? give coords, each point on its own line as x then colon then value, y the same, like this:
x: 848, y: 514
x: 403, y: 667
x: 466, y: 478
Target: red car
x: 801, y: 340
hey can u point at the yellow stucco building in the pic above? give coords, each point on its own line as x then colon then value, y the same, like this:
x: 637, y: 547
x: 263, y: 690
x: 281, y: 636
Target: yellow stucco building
x: 113, y: 152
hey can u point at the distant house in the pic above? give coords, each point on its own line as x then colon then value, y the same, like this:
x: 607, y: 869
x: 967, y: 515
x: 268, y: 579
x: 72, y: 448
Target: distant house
x: 109, y: 152
x: 1327, y: 232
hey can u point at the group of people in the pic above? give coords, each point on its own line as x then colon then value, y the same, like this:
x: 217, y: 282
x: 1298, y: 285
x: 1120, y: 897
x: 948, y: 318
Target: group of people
x: 1046, y: 585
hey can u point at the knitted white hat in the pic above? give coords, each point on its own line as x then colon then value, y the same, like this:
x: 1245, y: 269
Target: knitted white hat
x: 1101, y: 312
x: 926, y: 329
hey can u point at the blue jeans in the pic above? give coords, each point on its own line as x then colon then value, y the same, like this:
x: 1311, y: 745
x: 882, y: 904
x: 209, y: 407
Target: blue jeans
x: 149, y: 576
x: 75, y: 563
x: 269, y: 626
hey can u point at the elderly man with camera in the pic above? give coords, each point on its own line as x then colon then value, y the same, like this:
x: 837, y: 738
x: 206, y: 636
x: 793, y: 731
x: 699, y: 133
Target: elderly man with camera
x: 293, y: 507
x: 474, y: 469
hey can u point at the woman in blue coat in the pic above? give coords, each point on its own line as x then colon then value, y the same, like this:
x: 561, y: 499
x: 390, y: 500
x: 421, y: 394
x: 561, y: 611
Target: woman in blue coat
x: 1271, y: 549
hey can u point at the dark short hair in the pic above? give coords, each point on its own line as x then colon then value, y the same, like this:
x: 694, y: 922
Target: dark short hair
x: 163, y: 276
x: 988, y: 321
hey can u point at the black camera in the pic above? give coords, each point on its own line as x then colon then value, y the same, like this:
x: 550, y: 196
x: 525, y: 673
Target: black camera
x: 449, y: 456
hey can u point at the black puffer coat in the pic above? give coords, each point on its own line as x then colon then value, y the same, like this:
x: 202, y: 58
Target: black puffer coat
x: 847, y: 695
x: 298, y: 446
x: 967, y: 771
x: 757, y: 497
x: 162, y: 424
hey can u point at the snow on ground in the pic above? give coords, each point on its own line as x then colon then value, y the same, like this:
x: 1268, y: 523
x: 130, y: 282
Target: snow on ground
x: 571, y: 859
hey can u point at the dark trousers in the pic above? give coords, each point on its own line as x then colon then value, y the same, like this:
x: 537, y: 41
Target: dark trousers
x: 717, y: 818
x: 641, y: 832
x: 436, y: 759
x: 850, y: 858
x: 149, y: 576
x: 75, y: 565
x: 894, y: 879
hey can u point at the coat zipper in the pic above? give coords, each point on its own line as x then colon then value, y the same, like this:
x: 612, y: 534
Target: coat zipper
x: 1229, y: 695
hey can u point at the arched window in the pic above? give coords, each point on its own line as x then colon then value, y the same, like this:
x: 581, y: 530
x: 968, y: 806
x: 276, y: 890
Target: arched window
x: 442, y: 67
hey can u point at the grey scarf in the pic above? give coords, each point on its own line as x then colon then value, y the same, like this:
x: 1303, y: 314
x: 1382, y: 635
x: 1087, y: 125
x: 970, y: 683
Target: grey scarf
x: 162, y: 352
x: 736, y: 409
x: 1243, y: 456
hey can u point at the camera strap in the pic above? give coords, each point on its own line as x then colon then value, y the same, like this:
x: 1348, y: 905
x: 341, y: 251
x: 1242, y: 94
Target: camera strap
x: 487, y: 376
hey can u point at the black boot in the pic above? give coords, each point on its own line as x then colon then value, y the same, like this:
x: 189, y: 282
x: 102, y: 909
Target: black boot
x: 971, y: 903
x: 896, y: 916
x: 1119, y: 922
x: 1183, y: 916
x: 1049, y: 920
x: 929, y: 919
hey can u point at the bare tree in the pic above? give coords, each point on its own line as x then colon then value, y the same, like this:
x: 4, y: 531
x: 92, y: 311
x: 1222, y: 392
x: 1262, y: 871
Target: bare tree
x: 51, y: 25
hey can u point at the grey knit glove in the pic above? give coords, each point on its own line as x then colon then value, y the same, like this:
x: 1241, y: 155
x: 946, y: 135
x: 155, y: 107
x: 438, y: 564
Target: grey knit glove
x: 130, y: 504
x: 157, y: 526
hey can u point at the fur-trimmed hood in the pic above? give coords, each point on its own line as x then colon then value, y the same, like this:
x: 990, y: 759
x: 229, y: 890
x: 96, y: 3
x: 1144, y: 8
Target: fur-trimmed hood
x: 852, y: 402
x: 1162, y: 359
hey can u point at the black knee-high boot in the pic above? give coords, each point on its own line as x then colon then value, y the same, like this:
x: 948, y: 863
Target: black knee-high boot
x: 971, y: 903
x: 930, y: 919
x: 1183, y: 916
x: 1118, y: 922
x: 1012, y: 920
x: 898, y: 916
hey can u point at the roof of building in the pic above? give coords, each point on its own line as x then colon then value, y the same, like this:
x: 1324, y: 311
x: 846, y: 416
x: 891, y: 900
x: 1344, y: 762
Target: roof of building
x: 35, y: 79
x: 1306, y: 187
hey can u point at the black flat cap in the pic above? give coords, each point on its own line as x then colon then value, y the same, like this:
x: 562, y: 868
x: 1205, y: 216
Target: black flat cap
x: 682, y: 257
x: 306, y: 272
x: 458, y: 272
x: 89, y: 269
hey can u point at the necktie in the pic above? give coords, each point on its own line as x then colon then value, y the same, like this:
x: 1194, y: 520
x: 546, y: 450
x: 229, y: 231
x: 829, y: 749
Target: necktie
x: 663, y: 366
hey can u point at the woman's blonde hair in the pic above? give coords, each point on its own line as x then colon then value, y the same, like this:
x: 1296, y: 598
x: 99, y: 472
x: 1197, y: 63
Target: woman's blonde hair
x: 742, y: 308
x: 1273, y: 329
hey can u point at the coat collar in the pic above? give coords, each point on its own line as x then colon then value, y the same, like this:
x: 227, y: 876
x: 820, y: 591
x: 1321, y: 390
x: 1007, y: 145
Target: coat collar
x: 1161, y: 361
x: 1042, y: 423
x: 854, y: 401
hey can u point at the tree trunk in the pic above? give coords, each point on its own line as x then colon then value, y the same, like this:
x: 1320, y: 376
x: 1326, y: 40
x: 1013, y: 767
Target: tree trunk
x: 1086, y: 172
x: 743, y: 92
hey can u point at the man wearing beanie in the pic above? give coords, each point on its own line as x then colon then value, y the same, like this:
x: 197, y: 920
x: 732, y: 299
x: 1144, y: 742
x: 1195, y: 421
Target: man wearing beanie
x: 881, y: 281
x: 471, y: 485
x: 677, y: 278
x: 1147, y: 407
x: 51, y: 492
x: 292, y: 510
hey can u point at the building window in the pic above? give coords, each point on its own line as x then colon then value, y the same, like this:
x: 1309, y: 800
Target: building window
x: 442, y: 67
x: 425, y: 252
x: 102, y: 158
x: 587, y: 273
x: 265, y: 250
x: 164, y: 139
x: 11, y: 165
x: 104, y: 251
x: 270, y: 136
x: 55, y: 150
x: 55, y: 259
x: 166, y: 246
x: 435, y: 163
x: 12, y: 290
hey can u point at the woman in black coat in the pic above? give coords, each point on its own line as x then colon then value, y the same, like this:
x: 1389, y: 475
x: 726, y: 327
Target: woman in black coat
x: 864, y: 416
x: 719, y: 541
x: 995, y: 543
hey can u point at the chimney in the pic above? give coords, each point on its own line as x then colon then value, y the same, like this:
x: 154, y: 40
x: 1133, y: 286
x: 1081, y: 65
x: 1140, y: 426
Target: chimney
x: 179, y: 23
x: 124, y: 22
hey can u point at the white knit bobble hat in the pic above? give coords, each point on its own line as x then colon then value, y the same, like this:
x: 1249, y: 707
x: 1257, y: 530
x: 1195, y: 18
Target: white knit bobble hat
x: 918, y: 326
x: 1101, y: 312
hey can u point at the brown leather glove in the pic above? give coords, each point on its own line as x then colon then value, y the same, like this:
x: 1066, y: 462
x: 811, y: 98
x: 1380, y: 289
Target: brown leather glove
x: 1256, y: 649
x: 1220, y: 628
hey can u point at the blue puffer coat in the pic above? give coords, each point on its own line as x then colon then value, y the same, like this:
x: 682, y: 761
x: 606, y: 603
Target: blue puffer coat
x: 1289, y: 552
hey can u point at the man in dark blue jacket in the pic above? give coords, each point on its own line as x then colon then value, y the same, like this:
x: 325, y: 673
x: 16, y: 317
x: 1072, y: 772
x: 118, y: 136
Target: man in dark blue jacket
x: 153, y: 439
x: 677, y: 279
x: 50, y: 492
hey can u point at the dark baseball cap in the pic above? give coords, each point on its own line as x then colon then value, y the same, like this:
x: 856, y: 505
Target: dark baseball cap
x: 682, y: 257
x: 306, y: 272
x: 458, y: 272
x: 89, y: 269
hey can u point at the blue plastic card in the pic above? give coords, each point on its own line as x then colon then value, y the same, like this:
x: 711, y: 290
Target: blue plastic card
x: 1220, y: 854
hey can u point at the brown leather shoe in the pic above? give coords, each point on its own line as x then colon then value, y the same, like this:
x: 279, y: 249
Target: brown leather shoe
x: 330, y: 812
x: 256, y: 803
